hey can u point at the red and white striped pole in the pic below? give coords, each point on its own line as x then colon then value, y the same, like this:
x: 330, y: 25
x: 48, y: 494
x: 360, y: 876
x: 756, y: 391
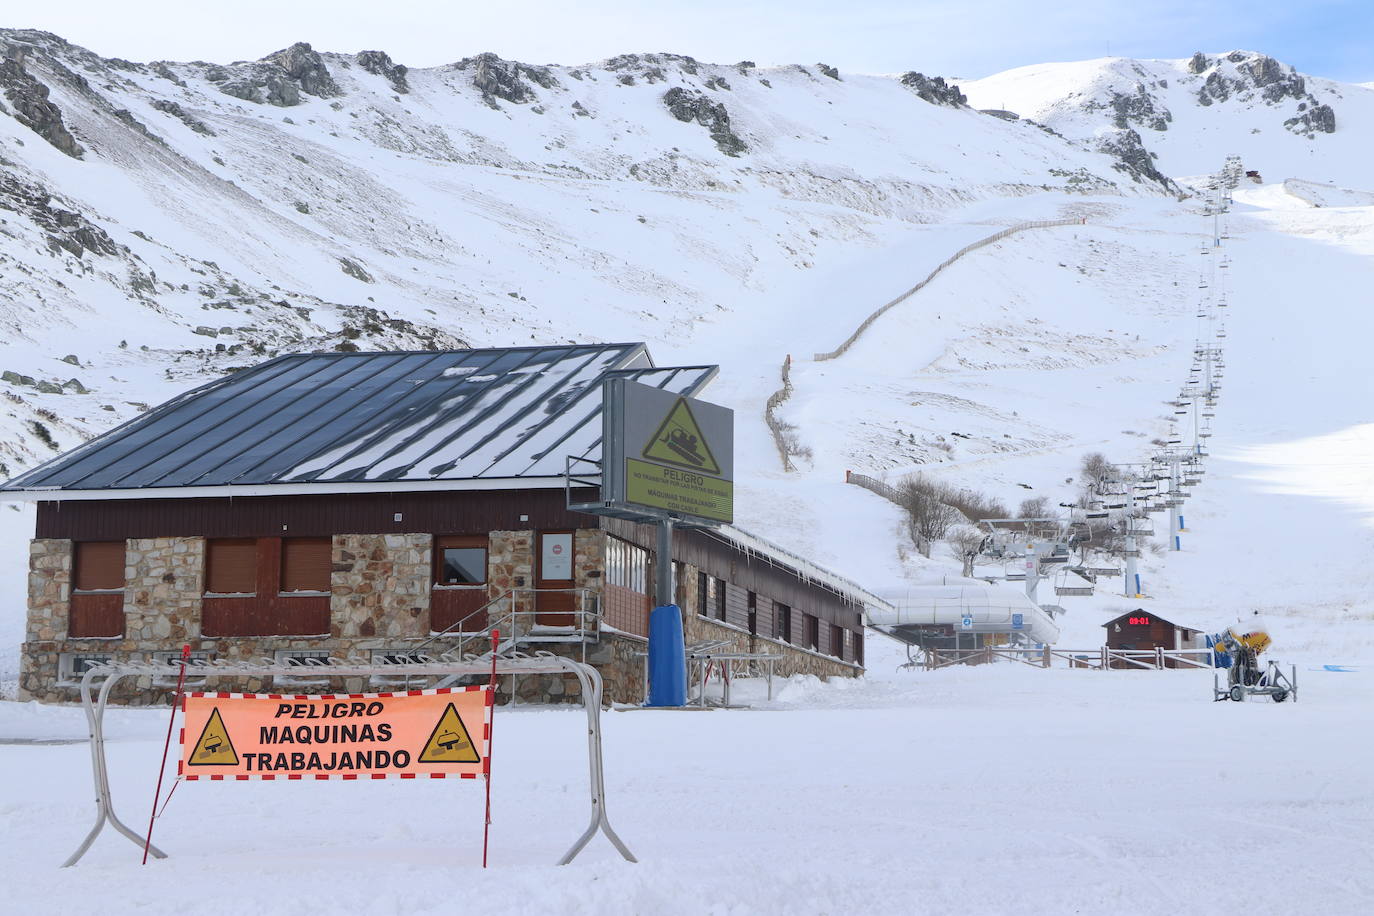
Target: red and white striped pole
x: 176, y: 701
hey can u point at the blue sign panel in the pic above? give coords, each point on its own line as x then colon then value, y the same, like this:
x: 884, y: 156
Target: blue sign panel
x: 1017, y: 621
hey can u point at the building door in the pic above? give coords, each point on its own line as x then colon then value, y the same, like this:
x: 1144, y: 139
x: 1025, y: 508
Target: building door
x: 553, y: 580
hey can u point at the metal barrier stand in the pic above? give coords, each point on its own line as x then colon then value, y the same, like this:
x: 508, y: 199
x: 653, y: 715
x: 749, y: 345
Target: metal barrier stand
x: 441, y: 666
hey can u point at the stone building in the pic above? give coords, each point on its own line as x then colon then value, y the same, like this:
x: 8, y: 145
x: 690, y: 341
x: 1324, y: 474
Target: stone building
x: 385, y: 504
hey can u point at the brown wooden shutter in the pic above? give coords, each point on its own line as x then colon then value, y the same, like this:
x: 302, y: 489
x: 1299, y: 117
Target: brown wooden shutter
x: 231, y: 566
x: 98, y: 565
x: 306, y: 564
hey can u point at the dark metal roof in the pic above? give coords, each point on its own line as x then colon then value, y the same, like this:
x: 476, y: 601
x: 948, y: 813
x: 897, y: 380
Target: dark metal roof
x: 369, y: 418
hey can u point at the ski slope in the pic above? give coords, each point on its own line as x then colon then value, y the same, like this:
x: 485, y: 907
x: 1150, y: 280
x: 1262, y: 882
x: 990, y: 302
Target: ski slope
x: 993, y: 790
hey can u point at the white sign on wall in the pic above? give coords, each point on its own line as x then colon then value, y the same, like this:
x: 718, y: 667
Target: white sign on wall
x: 556, y: 556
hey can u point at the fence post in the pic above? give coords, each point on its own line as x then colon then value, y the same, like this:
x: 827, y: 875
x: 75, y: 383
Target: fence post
x: 1106, y: 659
x: 1159, y: 657
x: 1045, y: 657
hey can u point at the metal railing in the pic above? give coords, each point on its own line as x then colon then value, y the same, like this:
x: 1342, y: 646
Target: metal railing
x: 1100, y: 659
x: 519, y: 625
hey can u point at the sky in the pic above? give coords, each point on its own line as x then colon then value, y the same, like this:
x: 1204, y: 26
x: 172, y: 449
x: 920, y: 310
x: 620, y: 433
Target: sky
x: 959, y: 38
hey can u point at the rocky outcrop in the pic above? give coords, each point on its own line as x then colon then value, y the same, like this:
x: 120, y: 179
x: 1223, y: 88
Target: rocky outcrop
x: 176, y: 111
x: 1274, y: 81
x: 689, y: 106
x: 304, y: 66
x: 829, y: 71
x: 1138, y: 109
x: 32, y: 108
x: 934, y: 89
x: 260, y: 85
x: 1316, y: 119
x: 379, y: 62
x: 65, y: 229
x: 1198, y: 63
x: 1125, y: 145
x: 505, y: 79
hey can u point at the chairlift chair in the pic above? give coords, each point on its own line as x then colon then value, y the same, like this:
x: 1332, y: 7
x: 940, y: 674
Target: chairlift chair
x: 1069, y: 583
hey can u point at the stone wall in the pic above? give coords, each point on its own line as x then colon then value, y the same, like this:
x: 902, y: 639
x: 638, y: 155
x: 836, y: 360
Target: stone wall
x: 380, y: 586
x: 164, y: 579
x: 510, y: 565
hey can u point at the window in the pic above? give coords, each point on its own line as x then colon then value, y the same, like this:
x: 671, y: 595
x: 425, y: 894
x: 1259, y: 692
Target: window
x: 71, y: 665
x: 858, y: 647
x: 627, y: 565
x: 813, y: 632
x: 460, y: 560
x: 194, y: 674
x: 782, y: 623
x: 703, y: 593
x: 231, y: 566
x: 97, y: 600
x: 753, y: 604
x: 98, y: 566
x: 837, y: 641
x: 306, y: 564
x: 720, y: 599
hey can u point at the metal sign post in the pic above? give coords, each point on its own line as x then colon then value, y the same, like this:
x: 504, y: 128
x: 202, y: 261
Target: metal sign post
x: 667, y: 460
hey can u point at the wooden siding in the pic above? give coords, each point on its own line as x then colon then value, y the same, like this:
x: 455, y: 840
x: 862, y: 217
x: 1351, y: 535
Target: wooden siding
x: 98, y: 565
x: 439, y: 512
x: 736, y: 606
x: 99, y: 615
x: 279, y: 615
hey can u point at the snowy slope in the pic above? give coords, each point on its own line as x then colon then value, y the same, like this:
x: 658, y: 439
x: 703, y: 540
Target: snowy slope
x: 487, y: 202
x: 451, y: 214
x: 1193, y: 113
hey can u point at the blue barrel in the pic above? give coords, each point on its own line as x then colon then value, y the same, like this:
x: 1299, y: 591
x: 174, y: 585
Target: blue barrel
x: 667, y: 658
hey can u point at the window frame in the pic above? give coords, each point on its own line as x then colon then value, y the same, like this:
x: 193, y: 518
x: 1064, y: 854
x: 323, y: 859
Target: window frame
x: 445, y: 542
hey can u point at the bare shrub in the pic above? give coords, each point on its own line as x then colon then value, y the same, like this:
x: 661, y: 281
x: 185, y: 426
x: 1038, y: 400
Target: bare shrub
x: 965, y: 544
x: 975, y: 506
x: 928, y: 516
x: 1095, y: 471
x: 1036, y: 507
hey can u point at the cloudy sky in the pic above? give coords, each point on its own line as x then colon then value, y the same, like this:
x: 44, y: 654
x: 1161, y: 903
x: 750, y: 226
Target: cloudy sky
x: 963, y: 38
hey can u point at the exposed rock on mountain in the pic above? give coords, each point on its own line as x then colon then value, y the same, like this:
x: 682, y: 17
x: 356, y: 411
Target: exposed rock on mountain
x: 688, y: 106
x: 505, y: 79
x: 1234, y: 102
x: 306, y: 69
x: 379, y: 62
x: 29, y: 97
x: 933, y: 89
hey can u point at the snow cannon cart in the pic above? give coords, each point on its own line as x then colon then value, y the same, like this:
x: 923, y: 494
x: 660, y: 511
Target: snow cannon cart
x: 1239, y: 652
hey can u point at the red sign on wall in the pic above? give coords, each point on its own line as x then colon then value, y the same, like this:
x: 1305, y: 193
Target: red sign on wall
x: 1139, y: 621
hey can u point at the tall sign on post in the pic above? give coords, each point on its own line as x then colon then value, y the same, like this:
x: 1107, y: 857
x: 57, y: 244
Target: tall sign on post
x: 667, y: 456
x: 666, y: 459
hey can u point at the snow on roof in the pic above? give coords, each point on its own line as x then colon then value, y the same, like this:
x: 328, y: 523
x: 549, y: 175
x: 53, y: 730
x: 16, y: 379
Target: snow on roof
x: 804, y: 568
x: 370, y: 417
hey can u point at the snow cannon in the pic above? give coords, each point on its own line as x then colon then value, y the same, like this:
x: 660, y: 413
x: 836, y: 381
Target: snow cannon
x: 1229, y: 643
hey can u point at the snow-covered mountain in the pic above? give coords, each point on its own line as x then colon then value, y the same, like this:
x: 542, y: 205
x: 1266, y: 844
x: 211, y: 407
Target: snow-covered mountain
x: 1190, y: 114
x: 168, y: 220
x: 163, y: 223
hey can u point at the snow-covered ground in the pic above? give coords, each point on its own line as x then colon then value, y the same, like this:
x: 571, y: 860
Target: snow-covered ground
x: 991, y: 790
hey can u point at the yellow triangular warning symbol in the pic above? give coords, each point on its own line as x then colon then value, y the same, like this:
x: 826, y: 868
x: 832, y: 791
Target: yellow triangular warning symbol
x: 679, y: 442
x: 450, y: 741
x: 214, y: 747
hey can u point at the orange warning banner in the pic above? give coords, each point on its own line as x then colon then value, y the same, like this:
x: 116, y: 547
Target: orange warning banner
x: 418, y: 734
